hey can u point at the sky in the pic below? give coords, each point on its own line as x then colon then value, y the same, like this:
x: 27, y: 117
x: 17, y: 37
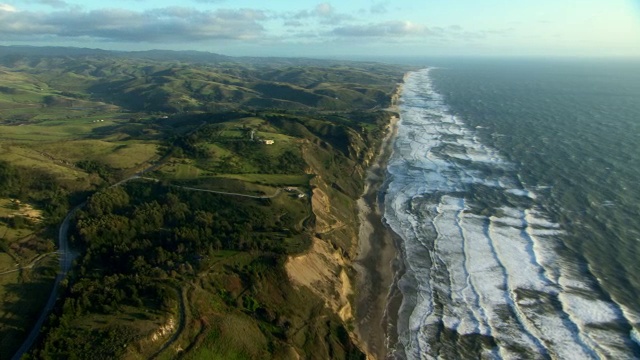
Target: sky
x: 346, y: 28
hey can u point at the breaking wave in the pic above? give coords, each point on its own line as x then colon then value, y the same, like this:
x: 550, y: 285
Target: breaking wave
x: 482, y: 272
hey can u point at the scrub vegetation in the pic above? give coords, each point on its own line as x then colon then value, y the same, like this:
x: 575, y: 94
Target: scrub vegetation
x: 186, y: 259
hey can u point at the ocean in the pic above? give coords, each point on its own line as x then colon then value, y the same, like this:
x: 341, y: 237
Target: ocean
x: 514, y: 190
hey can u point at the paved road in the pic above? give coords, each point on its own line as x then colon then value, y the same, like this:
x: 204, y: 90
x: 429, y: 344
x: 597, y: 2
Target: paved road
x: 67, y: 257
x: 66, y: 260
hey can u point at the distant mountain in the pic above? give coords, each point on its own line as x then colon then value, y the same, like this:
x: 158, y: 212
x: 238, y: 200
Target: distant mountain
x: 159, y: 55
x: 171, y: 55
x: 180, y: 81
x: 24, y: 50
x: 190, y: 56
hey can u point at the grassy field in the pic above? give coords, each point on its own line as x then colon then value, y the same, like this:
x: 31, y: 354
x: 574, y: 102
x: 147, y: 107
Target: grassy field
x: 48, y: 122
x: 27, y: 269
x: 57, y: 146
x: 117, y: 154
x: 272, y: 179
x: 22, y: 295
x: 61, y: 115
x: 186, y: 171
x: 8, y: 209
x: 216, y: 183
x: 52, y: 139
x: 77, y: 127
x: 26, y: 156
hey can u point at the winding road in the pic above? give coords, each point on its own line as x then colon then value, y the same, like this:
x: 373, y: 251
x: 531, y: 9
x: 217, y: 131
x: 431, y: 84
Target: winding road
x: 66, y: 260
x: 67, y: 256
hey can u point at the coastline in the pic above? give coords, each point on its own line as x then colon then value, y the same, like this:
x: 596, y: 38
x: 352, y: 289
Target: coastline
x: 377, y: 254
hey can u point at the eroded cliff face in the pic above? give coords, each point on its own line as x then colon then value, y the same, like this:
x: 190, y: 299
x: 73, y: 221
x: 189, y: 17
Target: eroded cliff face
x: 326, y: 268
x: 324, y: 271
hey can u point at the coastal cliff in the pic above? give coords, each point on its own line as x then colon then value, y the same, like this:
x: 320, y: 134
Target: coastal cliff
x: 243, y: 239
x: 351, y: 248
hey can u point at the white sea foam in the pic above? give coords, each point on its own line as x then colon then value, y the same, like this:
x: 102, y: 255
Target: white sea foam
x: 522, y: 192
x: 492, y: 271
x: 635, y: 336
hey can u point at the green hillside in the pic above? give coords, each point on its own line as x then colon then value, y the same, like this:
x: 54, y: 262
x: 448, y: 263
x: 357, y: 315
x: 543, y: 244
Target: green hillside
x: 178, y: 86
x: 188, y: 259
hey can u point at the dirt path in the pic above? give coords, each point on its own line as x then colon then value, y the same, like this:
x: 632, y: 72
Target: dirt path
x: 278, y: 191
x: 230, y: 193
x: 30, y: 265
x: 182, y: 321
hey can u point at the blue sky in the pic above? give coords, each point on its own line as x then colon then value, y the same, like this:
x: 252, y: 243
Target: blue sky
x: 332, y: 28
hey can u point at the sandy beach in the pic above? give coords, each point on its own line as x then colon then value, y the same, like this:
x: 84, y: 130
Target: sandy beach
x: 377, y: 253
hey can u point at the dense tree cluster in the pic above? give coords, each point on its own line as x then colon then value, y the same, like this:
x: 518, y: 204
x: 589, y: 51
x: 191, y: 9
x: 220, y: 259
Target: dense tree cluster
x: 34, y: 185
x: 143, y: 246
x: 133, y: 234
x: 103, y: 170
x: 20, y: 182
x: 138, y: 239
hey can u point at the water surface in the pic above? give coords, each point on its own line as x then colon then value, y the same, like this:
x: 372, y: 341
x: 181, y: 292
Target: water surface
x: 513, y: 185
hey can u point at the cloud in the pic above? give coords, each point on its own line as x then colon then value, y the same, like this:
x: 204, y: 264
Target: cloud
x: 7, y: 8
x: 53, y: 3
x: 321, y: 10
x: 457, y: 32
x: 294, y: 23
x: 324, y: 12
x: 172, y: 24
x: 383, y: 29
x: 379, y: 8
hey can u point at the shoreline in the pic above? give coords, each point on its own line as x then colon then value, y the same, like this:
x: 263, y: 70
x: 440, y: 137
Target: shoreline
x: 376, y: 264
